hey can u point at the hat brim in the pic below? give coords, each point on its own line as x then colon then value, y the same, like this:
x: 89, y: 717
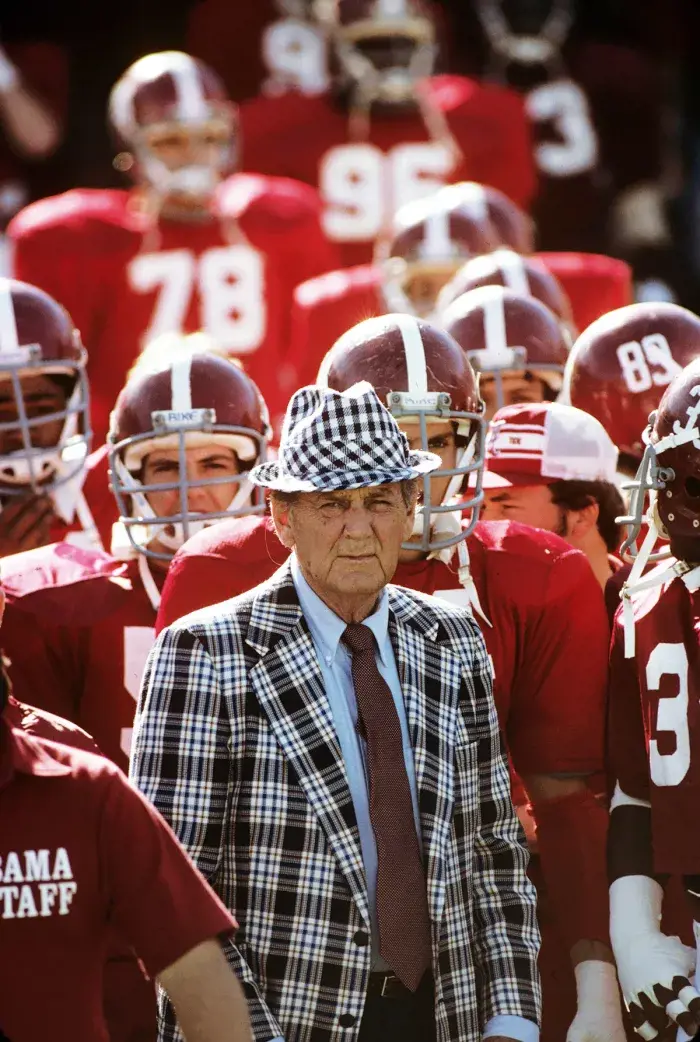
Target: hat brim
x: 492, y: 479
x: 268, y: 475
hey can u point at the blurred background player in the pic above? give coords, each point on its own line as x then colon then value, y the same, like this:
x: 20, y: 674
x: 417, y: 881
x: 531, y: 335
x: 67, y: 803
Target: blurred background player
x: 187, y: 248
x: 79, y: 624
x: 554, y: 467
x: 428, y: 241
x: 45, y: 432
x: 387, y: 132
x: 517, y: 345
x: 653, y: 729
x: 620, y: 366
x: 541, y: 612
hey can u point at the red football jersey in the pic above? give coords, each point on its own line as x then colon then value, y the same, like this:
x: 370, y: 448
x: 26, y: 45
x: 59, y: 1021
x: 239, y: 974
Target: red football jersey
x: 654, y: 726
x: 362, y: 184
x: 125, y: 280
x: 327, y: 305
x: 545, y: 607
x: 77, y: 630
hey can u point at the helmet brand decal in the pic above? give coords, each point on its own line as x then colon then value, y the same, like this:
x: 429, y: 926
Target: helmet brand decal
x: 172, y: 419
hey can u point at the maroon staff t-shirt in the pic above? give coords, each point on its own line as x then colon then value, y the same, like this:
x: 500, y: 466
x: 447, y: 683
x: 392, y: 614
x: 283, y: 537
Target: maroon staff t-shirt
x: 80, y: 851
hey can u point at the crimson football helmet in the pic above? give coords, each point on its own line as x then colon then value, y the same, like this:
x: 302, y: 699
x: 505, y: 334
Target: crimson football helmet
x: 527, y: 276
x: 383, y: 47
x: 619, y: 366
x: 194, y: 399
x: 429, y: 240
x: 423, y: 377
x: 38, y: 338
x: 510, y: 226
x: 169, y: 105
x: 504, y: 333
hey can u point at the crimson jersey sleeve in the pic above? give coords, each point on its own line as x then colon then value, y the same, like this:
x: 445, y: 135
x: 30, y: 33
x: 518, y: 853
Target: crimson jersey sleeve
x: 220, y: 562
x: 324, y: 308
x: 626, y: 737
x: 594, y: 283
x: 557, y: 708
x: 158, y: 899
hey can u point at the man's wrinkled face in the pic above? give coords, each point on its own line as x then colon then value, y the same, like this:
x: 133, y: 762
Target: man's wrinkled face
x: 529, y: 504
x: 347, y: 542
x: 42, y: 397
x: 518, y: 388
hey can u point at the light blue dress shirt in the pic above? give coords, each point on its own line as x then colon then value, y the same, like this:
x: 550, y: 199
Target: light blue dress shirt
x: 336, y: 666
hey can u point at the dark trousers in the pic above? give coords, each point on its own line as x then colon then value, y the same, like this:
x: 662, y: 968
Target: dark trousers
x: 405, y: 1018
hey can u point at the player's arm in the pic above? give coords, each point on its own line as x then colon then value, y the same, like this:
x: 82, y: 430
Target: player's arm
x: 181, y: 763
x: 505, y: 935
x: 654, y: 969
x: 556, y: 739
x: 208, y: 1000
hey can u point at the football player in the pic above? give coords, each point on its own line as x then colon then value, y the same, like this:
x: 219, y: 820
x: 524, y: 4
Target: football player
x: 428, y: 241
x: 516, y: 343
x: 554, y: 467
x: 620, y: 365
x: 577, y: 287
x: 388, y: 131
x: 597, y: 129
x: 654, y: 698
x: 187, y: 248
x: 44, y: 423
x: 185, y: 430
x: 542, y: 614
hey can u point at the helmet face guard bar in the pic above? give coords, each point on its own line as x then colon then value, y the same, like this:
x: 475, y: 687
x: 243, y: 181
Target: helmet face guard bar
x: 136, y: 514
x: 650, y: 478
x: 519, y: 364
x: 432, y: 406
x: 43, y: 469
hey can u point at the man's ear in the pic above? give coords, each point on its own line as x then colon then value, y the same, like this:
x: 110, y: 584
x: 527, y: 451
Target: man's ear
x: 280, y: 512
x: 410, y: 519
x: 580, y: 522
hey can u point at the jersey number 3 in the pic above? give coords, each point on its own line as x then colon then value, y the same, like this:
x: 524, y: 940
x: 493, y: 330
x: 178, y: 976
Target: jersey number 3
x: 670, y: 660
x: 229, y: 283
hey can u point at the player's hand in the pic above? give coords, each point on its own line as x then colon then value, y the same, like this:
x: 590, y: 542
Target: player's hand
x: 599, y: 1016
x: 25, y: 523
x: 655, y: 980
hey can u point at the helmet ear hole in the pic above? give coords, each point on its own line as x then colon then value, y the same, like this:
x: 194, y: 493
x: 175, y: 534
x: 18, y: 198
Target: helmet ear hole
x: 692, y: 487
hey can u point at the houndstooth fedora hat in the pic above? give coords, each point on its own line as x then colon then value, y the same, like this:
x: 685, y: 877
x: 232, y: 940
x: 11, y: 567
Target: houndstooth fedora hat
x: 340, y: 439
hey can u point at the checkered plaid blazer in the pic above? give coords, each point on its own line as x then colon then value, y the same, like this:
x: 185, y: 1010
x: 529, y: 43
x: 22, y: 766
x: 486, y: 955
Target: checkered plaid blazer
x: 235, y: 745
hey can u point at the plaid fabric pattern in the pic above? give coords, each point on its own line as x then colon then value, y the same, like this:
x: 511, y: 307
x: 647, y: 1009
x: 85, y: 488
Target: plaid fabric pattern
x: 333, y: 439
x: 234, y: 743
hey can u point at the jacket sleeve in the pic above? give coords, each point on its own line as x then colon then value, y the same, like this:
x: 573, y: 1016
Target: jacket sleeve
x: 181, y: 763
x: 506, y: 936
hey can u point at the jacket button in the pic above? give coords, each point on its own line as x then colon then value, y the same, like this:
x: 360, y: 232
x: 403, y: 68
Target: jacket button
x: 361, y: 938
x: 346, y: 1020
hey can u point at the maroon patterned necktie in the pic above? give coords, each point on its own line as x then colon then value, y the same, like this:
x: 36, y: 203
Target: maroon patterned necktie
x: 402, y: 902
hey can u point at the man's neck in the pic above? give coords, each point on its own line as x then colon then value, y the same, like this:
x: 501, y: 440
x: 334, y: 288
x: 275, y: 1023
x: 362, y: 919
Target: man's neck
x: 349, y: 608
x: 597, y: 553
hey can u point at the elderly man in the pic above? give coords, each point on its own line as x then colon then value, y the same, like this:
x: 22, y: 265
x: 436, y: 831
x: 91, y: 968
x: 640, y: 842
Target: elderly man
x: 326, y: 747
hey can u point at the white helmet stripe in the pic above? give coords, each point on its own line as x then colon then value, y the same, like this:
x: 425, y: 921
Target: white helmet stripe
x: 390, y: 8
x: 470, y: 197
x: 514, y: 273
x: 414, y: 352
x: 495, y: 336
x: 9, y: 339
x: 191, y: 102
x: 180, y: 385
x: 436, y: 244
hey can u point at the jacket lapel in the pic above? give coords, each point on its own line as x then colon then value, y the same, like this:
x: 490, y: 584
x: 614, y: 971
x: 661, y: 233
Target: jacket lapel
x: 430, y: 675
x: 288, y: 684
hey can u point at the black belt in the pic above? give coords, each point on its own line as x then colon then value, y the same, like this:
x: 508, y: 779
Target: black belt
x: 387, y: 986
